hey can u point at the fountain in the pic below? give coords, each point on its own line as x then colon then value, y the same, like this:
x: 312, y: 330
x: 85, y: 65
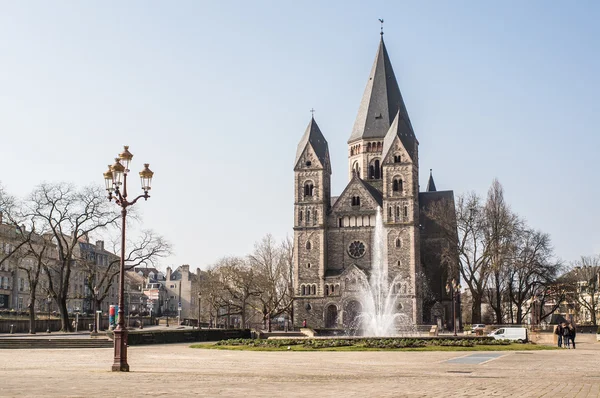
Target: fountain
x: 380, y: 314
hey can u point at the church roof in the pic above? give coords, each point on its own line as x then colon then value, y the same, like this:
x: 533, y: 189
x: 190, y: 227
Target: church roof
x: 381, y: 100
x: 375, y: 193
x: 316, y: 139
x: 431, y: 183
x: 401, y: 129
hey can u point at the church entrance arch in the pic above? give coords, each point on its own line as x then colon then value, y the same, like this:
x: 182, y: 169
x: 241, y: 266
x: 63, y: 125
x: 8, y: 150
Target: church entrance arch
x: 331, y: 316
x: 352, y: 311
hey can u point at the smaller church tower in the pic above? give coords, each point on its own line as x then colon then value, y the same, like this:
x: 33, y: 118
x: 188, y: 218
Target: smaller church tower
x: 312, y: 185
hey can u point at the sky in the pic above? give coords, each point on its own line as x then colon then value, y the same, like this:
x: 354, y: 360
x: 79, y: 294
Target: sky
x: 216, y: 96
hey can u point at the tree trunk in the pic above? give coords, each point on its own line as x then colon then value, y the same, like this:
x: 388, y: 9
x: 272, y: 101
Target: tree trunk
x: 61, y: 302
x: 476, y: 309
x: 31, y: 307
x: 269, y: 323
x: 498, y: 308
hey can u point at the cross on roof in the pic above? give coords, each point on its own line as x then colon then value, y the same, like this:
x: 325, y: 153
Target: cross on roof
x: 312, y: 112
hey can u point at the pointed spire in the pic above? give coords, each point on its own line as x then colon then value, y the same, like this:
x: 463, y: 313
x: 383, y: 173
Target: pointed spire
x: 315, y: 138
x: 402, y: 130
x: 430, y: 183
x: 381, y: 100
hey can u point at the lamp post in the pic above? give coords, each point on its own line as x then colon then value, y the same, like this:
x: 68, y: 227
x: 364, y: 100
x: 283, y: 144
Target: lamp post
x: 48, y: 301
x: 115, y: 177
x: 453, y: 289
x: 199, y: 307
x: 167, y: 309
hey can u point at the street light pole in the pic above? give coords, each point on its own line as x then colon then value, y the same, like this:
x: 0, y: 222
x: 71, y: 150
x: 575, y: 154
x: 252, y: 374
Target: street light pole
x: 453, y: 288
x: 112, y: 178
x: 199, y: 307
x: 166, y: 311
x: 48, y: 301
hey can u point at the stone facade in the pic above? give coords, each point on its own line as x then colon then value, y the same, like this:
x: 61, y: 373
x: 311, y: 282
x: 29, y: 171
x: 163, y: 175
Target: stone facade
x: 333, y: 236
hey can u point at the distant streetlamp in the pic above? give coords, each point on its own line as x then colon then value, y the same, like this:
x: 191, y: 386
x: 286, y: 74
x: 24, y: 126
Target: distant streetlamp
x: 166, y: 310
x: 453, y: 289
x: 199, y: 307
x: 48, y: 302
x: 114, y: 178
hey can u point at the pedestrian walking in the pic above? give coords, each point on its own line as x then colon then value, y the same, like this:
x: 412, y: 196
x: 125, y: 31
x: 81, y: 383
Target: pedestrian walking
x: 558, y: 332
x: 572, y: 334
x: 566, y: 336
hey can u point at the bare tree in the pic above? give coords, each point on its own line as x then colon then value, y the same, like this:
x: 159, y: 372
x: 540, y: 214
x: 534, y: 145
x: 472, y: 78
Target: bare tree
x: 583, y: 285
x: 67, y: 215
x: 532, y: 265
x: 471, y: 248
x: 269, y: 261
x: 240, y: 285
x: 144, y: 250
x: 501, y: 226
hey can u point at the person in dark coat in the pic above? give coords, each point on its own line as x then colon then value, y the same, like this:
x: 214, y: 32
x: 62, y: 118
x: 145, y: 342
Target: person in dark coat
x: 558, y: 331
x: 566, y: 333
x: 572, y: 334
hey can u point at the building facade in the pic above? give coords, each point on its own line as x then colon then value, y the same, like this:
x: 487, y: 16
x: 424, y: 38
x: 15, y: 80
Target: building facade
x: 333, y: 235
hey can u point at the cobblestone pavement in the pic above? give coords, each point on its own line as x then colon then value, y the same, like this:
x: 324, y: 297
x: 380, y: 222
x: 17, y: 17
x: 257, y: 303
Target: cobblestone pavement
x: 176, y: 370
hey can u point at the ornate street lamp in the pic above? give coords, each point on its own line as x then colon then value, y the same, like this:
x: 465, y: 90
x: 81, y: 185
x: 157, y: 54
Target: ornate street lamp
x: 116, y: 185
x: 453, y: 289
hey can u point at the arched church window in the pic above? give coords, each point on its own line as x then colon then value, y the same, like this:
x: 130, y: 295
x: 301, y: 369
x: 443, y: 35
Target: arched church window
x: 398, y: 244
x: 397, y: 159
x: 308, y: 245
x: 379, y: 146
x: 371, y: 172
x: 369, y: 147
x: 390, y: 212
x: 300, y: 216
x: 308, y: 163
x: 356, y: 168
x: 313, y: 289
x: 308, y: 189
x: 327, y: 290
x: 395, y: 185
x: 397, y: 211
x: 377, y: 170
x: 303, y: 290
x: 356, y: 201
x: 315, y: 218
x: 308, y: 216
x: 405, y: 211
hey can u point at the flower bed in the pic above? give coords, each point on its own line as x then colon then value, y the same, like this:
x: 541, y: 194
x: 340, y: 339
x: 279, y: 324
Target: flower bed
x: 381, y: 343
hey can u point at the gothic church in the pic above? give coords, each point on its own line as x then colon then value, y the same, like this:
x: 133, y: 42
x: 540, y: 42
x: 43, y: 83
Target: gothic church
x: 333, y: 234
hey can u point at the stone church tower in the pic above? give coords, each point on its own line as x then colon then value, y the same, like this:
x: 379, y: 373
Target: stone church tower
x: 333, y: 235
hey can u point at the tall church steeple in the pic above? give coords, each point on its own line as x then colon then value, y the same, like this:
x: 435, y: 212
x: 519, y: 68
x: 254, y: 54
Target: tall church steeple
x: 381, y: 100
x: 430, y: 183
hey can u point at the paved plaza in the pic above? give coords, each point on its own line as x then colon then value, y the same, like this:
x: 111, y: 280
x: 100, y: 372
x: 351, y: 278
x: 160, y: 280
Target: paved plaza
x: 177, y: 370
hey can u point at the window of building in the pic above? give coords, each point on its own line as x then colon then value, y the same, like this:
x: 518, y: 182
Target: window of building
x: 308, y: 245
x: 313, y: 289
x: 398, y: 243
x: 356, y: 201
x: 405, y: 211
x: 300, y: 216
x: 308, y: 216
x: 397, y: 159
x: 308, y: 189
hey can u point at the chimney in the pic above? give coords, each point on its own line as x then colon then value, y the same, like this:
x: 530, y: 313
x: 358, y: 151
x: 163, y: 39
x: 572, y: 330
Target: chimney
x: 100, y: 244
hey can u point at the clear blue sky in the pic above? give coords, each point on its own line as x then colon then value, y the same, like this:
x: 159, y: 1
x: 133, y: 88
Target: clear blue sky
x: 216, y: 95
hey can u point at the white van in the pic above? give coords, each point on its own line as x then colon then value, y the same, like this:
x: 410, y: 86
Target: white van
x: 517, y: 334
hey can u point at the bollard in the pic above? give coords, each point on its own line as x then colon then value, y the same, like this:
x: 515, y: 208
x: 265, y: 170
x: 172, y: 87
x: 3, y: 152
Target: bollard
x: 12, y: 329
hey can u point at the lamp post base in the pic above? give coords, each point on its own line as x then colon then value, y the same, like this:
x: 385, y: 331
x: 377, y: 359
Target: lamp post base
x: 120, y: 363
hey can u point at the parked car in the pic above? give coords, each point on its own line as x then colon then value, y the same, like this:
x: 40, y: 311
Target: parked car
x: 478, y: 326
x: 515, y: 334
